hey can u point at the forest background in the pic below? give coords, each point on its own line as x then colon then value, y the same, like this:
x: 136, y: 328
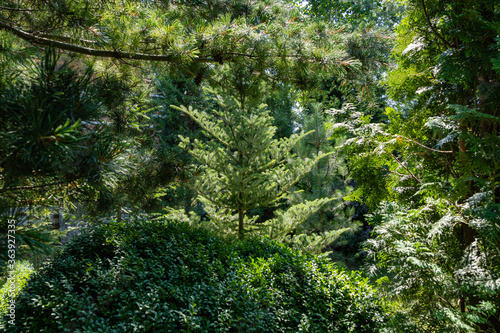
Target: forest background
x: 366, y: 130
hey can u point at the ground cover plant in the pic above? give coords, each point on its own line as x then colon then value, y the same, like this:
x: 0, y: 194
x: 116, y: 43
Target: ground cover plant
x: 146, y: 276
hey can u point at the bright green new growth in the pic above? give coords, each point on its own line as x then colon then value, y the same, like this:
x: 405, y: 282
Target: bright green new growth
x: 245, y: 167
x: 13, y: 287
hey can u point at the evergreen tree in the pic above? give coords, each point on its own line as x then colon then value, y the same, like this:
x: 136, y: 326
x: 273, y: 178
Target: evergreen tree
x: 436, y: 163
x: 67, y: 139
x: 328, y: 178
x: 244, y: 166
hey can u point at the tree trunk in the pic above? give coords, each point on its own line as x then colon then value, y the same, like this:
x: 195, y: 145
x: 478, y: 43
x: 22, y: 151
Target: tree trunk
x: 119, y: 213
x: 56, y: 221
x: 240, y: 223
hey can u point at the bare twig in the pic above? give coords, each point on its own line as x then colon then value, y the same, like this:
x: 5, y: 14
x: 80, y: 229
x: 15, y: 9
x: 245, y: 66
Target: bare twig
x: 434, y: 28
x: 405, y: 167
x: 398, y: 173
x: 423, y: 146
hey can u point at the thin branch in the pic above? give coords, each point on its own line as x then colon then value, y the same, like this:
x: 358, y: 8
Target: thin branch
x: 67, y: 39
x: 444, y: 300
x: 30, y: 187
x: 406, y: 168
x: 398, y: 173
x: 423, y: 146
x: 241, y: 54
x: 433, y: 28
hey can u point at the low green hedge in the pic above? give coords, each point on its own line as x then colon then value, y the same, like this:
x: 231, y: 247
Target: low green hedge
x: 168, y: 277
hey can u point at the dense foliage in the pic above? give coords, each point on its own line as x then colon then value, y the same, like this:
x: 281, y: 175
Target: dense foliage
x: 435, y: 164
x: 160, y: 275
x: 108, y: 149
x: 401, y: 95
x: 190, y: 35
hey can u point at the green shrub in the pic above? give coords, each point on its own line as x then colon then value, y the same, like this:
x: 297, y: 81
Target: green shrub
x: 168, y: 277
x: 12, y: 287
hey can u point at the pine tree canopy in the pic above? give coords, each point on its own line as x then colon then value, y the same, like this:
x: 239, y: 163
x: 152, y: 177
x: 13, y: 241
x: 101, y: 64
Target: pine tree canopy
x: 271, y: 38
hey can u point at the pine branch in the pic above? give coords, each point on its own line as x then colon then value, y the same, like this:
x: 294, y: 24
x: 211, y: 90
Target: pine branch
x: 15, y: 9
x: 69, y: 44
x: 39, y: 40
x: 17, y: 188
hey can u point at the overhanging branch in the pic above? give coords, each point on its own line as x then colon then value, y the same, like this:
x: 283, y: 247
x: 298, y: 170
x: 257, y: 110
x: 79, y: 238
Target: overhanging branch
x: 91, y: 51
x: 67, y: 43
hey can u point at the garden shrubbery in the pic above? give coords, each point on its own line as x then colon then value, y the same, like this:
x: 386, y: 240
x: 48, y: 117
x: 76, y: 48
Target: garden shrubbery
x: 160, y: 276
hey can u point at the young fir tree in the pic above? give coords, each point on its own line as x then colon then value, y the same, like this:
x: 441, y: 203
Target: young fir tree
x: 245, y: 167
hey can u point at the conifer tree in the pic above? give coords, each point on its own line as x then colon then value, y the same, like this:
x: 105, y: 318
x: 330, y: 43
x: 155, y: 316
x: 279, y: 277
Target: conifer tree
x: 245, y: 167
x: 329, y: 176
x: 435, y: 164
x: 69, y: 138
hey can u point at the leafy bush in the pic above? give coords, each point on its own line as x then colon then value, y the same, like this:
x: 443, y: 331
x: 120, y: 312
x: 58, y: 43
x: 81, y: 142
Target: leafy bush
x: 20, y: 276
x: 170, y: 277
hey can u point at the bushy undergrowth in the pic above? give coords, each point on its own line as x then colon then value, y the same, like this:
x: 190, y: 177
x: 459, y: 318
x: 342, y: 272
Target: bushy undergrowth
x: 12, y: 285
x: 164, y: 276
